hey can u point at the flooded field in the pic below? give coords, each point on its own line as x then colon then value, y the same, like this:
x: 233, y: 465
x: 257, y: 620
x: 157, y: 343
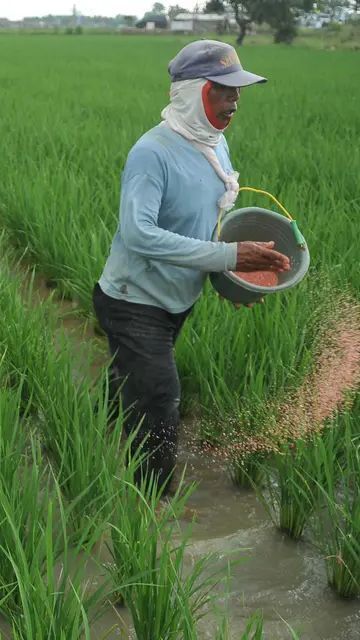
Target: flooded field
x: 272, y: 390
x: 284, y: 579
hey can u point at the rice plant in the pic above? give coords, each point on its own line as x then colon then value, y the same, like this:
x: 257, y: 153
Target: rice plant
x: 293, y: 478
x: 23, y: 502
x: 84, y: 451
x: 254, y: 630
x: 338, y: 523
x: 57, y: 182
x: 19, y: 488
x: 54, y: 600
x: 56, y: 177
x: 247, y: 470
x: 71, y: 410
x: 148, y: 568
x: 135, y: 512
x: 26, y: 332
x: 13, y: 430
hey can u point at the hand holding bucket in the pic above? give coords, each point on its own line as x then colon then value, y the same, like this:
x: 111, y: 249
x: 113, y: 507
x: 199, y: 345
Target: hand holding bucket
x: 253, y: 225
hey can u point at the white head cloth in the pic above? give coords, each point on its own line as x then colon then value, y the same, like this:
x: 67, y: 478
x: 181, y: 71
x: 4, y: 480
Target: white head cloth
x: 186, y: 115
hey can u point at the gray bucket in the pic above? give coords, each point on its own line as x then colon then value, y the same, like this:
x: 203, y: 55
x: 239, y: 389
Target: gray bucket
x: 260, y: 225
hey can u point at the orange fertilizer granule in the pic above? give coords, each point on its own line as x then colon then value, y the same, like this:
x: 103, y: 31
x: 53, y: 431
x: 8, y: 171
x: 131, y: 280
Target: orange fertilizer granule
x: 260, y: 278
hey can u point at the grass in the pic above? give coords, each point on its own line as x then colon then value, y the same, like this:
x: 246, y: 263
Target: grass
x: 333, y: 37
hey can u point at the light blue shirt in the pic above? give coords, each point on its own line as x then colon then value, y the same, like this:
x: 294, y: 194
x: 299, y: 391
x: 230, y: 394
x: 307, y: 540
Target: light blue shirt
x: 162, y: 250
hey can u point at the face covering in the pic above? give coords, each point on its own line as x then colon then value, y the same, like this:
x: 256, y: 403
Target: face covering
x: 187, y: 116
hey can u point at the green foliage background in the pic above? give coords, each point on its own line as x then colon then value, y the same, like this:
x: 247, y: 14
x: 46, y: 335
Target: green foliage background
x: 71, y: 110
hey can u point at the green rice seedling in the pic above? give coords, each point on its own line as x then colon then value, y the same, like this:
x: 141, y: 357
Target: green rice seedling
x: 293, y: 479
x: 59, y: 179
x: 267, y: 349
x: 24, y: 494
x: 26, y: 333
x: 338, y: 523
x: 13, y: 431
x: 54, y: 598
x: 80, y: 444
x: 247, y: 470
x: 164, y: 599
x: 137, y: 511
x: 84, y: 450
x: 73, y: 419
x: 254, y: 629
x: 65, y: 174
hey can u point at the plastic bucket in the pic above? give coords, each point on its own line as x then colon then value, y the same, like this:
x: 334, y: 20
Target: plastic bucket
x: 261, y: 225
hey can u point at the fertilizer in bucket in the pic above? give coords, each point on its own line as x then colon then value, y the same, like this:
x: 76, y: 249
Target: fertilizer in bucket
x: 260, y: 225
x: 259, y: 278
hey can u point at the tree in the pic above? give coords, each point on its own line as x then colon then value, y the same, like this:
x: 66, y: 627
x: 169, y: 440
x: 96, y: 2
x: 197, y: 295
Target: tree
x: 174, y: 10
x: 279, y: 14
x: 242, y: 17
x: 332, y: 6
x: 214, y: 6
x: 158, y: 7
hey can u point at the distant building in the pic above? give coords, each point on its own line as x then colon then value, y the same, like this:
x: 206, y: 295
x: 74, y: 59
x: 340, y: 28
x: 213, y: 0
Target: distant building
x: 317, y: 20
x: 125, y: 22
x: 203, y: 22
x: 152, y: 21
x: 70, y: 22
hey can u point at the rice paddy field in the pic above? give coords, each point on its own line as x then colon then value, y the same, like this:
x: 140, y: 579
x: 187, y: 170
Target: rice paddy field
x: 270, y: 399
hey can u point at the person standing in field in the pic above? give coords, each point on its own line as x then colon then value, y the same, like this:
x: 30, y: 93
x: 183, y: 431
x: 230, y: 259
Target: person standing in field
x: 176, y: 179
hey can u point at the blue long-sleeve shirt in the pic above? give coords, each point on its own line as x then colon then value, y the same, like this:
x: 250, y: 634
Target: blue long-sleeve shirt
x: 162, y: 250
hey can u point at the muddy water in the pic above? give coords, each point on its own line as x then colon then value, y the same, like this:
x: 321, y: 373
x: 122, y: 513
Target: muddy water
x: 276, y: 575
x: 286, y: 580
x: 279, y: 576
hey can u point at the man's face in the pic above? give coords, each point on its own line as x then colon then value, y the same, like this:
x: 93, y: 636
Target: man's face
x: 223, y: 101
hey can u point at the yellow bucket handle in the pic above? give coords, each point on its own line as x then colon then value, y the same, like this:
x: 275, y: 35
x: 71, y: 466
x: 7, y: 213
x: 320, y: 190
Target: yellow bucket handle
x: 300, y: 240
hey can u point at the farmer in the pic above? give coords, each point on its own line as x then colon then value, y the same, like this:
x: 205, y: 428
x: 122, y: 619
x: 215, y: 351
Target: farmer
x: 176, y: 178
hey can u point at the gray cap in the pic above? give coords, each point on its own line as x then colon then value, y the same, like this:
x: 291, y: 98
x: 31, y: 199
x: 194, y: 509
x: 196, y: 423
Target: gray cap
x: 212, y: 60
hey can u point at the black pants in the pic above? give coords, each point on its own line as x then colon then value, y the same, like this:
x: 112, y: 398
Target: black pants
x: 141, y: 340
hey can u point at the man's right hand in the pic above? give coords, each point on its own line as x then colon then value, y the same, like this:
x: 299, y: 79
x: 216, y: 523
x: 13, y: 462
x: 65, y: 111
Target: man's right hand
x: 260, y: 256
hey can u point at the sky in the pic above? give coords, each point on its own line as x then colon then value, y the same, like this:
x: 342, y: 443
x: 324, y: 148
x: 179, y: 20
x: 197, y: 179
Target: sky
x: 17, y: 9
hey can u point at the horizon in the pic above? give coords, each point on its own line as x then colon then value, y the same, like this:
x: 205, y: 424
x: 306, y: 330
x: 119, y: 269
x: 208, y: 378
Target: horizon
x: 19, y: 9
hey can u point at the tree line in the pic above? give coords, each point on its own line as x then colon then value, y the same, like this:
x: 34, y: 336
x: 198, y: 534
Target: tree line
x: 280, y: 15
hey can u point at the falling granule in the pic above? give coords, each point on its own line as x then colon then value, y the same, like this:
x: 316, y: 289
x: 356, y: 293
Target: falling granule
x: 259, y: 278
x: 337, y: 371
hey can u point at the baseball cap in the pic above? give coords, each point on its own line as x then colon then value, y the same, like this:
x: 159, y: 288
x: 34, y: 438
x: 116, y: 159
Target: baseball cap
x: 212, y: 60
